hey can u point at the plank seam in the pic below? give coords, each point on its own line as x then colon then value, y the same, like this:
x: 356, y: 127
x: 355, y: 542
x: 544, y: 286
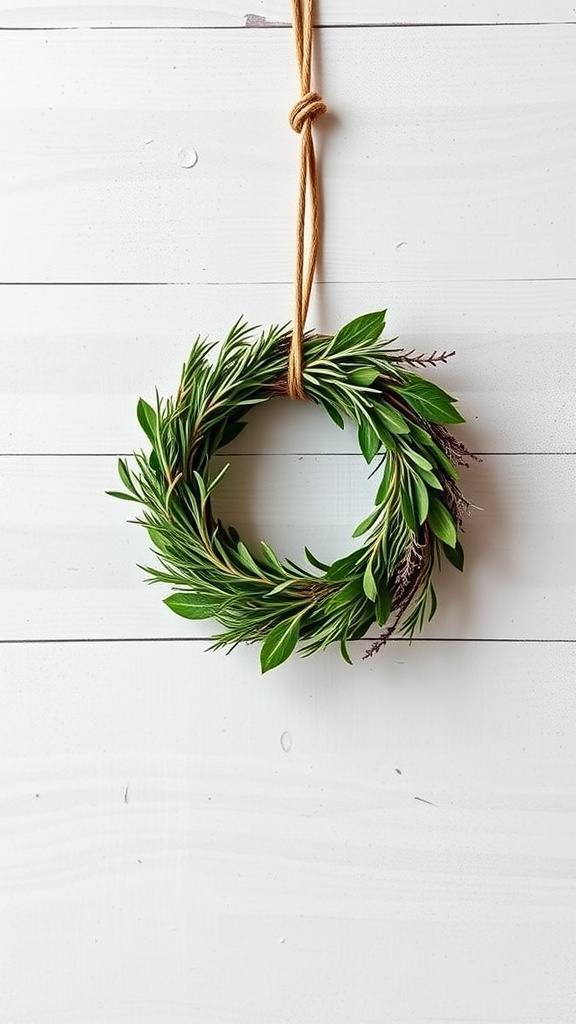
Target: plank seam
x: 268, y: 455
x: 270, y: 284
x: 209, y: 639
x: 285, y: 26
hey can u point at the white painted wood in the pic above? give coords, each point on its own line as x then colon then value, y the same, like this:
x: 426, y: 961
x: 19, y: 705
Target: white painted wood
x: 273, y: 13
x: 182, y: 841
x: 432, y: 170
x: 75, y: 359
x: 166, y: 860
x: 69, y: 559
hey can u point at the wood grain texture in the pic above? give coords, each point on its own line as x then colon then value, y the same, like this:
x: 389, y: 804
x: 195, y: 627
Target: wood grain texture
x: 160, y: 837
x: 77, y: 358
x: 431, y: 170
x: 277, y: 13
x: 182, y: 841
x: 70, y: 561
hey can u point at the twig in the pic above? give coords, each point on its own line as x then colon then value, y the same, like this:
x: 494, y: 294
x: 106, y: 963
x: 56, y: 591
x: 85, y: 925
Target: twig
x: 411, y: 359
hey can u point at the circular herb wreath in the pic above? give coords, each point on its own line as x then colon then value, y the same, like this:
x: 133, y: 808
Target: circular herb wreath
x: 255, y: 595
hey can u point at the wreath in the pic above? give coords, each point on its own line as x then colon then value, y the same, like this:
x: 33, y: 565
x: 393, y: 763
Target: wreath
x: 255, y: 595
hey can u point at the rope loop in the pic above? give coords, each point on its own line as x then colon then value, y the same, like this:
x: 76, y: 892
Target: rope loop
x: 303, y: 113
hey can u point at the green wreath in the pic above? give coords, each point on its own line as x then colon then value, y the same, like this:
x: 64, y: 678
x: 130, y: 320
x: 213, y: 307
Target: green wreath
x: 255, y: 595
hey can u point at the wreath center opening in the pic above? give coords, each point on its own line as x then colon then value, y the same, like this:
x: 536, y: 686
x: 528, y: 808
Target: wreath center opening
x: 294, y: 484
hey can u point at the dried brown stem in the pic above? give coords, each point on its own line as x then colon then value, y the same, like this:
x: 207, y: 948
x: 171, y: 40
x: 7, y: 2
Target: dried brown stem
x: 411, y: 359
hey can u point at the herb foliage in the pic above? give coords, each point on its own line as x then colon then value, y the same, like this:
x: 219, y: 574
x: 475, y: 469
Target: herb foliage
x: 401, y: 419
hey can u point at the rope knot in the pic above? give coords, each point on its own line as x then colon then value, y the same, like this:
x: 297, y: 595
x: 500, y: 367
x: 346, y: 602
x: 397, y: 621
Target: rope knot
x: 310, y: 106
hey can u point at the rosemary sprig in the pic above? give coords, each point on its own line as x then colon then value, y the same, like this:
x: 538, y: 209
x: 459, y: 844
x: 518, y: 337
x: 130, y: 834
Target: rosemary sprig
x: 256, y: 596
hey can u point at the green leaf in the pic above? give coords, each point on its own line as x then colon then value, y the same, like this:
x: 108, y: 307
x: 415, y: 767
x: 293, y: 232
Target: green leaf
x: 344, y: 652
x: 362, y: 625
x: 444, y: 461
x: 280, y: 588
x: 120, y: 494
x: 441, y: 522
x: 217, y: 479
x: 368, y: 327
x: 391, y: 418
x: 368, y: 522
x: 124, y: 474
x: 271, y: 557
x: 247, y: 559
x: 368, y: 440
x: 418, y: 459
x: 333, y: 414
x: 316, y: 561
x: 279, y: 644
x: 147, y: 419
x: 231, y: 432
x: 342, y: 568
x: 431, y: 479
x: 154, y: 461
x: 430, y: 402
x: 433, y: 602
x: 387, y: 439
x: 407, y: 508
x: 364, y: 376
x: 158, y: 539
x: 455, y: 555
x: 383, y: 606
x: 420, y: 434
x: 369, y: 583
x: 420, y: 495
x: 385, y: 488
x: 347, y: 594
x: 201, y: 486
x: 193, y: 606
x: 298, y: 568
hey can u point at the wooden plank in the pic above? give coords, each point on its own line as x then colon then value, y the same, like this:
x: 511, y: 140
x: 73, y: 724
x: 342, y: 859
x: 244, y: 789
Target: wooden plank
x: 446, y: 156
x: 160, y: 837
x: 74, y: 359
x: 278, y: 13
x: 69, y: 559
x: 182, y: 841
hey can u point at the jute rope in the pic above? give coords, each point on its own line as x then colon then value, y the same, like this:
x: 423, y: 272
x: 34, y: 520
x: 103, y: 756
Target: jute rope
x: 309, y: 106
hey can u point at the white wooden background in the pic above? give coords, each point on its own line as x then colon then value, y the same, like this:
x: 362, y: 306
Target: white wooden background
x: 184, y: 842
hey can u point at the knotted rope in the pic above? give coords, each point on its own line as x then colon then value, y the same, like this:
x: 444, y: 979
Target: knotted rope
x: 309, y: 106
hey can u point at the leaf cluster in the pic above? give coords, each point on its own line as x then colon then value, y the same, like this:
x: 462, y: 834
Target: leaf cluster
x: 401, y: 420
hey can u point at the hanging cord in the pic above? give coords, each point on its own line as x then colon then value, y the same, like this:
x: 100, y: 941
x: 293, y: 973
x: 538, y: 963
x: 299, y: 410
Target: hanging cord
x: 309, y: 106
